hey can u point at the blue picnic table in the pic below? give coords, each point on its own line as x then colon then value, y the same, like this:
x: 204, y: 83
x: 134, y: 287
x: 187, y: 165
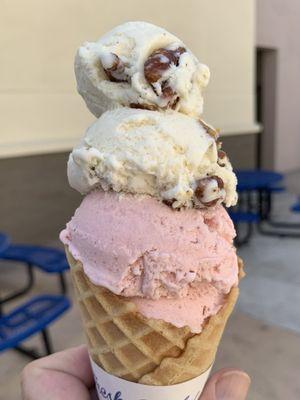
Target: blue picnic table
x: 257, y: 179
x: 4, y: 242
x: 256, y: 188
x: 35, y: 315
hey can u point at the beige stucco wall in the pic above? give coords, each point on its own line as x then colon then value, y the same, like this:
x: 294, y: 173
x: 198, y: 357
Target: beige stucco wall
x: 278, y: 27
x: 40, y: 110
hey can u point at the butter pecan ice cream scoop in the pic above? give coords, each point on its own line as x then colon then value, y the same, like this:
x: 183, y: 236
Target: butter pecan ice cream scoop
x: 140, y: 65
x: 169, y: 156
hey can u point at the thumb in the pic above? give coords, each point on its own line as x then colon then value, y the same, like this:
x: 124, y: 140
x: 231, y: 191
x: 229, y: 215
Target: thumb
x: 226, y: 384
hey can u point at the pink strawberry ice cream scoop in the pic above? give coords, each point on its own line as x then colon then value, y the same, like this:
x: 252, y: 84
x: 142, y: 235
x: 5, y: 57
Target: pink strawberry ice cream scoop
x: 174, y: 265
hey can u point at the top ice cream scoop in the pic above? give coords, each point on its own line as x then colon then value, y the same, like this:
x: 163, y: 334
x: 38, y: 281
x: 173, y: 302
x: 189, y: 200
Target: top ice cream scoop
x: 140, y: 65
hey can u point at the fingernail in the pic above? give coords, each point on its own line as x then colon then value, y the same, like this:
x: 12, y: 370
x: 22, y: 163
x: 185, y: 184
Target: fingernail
x: 232, y: 385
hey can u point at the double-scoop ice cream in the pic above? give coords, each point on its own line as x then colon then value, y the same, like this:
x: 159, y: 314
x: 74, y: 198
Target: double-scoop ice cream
x: 152, y: 227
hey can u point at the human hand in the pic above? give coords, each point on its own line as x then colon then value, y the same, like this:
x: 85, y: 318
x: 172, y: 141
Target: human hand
x: 68, y: 375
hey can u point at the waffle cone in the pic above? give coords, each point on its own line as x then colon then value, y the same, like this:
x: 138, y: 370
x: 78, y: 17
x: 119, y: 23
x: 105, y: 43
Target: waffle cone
x: 153, y: 352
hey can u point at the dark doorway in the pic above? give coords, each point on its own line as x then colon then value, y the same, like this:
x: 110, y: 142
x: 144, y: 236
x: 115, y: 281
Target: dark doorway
x: 266, y: 71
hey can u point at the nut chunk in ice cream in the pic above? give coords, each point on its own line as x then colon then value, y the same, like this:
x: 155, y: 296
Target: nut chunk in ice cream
x: 168, y: 155
x: 140, y: 65
x: 177, y: 266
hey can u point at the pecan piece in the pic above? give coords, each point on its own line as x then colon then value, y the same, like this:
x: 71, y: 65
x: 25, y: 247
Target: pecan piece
x: 168, y: 93
x: 143, y: 106
x: 155, y: 66
x: 221, y: 154
x: 174, y: 103
x: 201, y: 185
x: 219, y: 181
x: 204, y: 192
x: 212, y: 132
x: 211, y: 203
x: 114, y: 68
x: 158, y: 62
x: 180, y: 50
x: 168, y: 202
x: 166, y: 90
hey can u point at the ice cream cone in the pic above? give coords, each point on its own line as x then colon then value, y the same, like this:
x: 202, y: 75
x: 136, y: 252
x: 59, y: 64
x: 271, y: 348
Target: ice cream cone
x: 153, y: 352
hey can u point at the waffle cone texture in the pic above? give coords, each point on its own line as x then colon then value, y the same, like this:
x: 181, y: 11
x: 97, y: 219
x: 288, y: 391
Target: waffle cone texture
x: 126, y: 344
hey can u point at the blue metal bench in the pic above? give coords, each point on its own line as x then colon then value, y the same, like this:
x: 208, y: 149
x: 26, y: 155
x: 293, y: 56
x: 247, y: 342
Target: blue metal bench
x: 296, y: 207
x: 256, y: 188
x: 4, y: 242
x: 243, y: 217
x: 248, y: 218
x: 31, y: 317
x: 257, y: 179
x: 252, y: 204
x: 47, y: 259
x: 263, y: 183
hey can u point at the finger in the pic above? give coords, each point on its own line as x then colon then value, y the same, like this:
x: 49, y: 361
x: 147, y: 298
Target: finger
x: 59, y: 376
x: 226, y: 384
